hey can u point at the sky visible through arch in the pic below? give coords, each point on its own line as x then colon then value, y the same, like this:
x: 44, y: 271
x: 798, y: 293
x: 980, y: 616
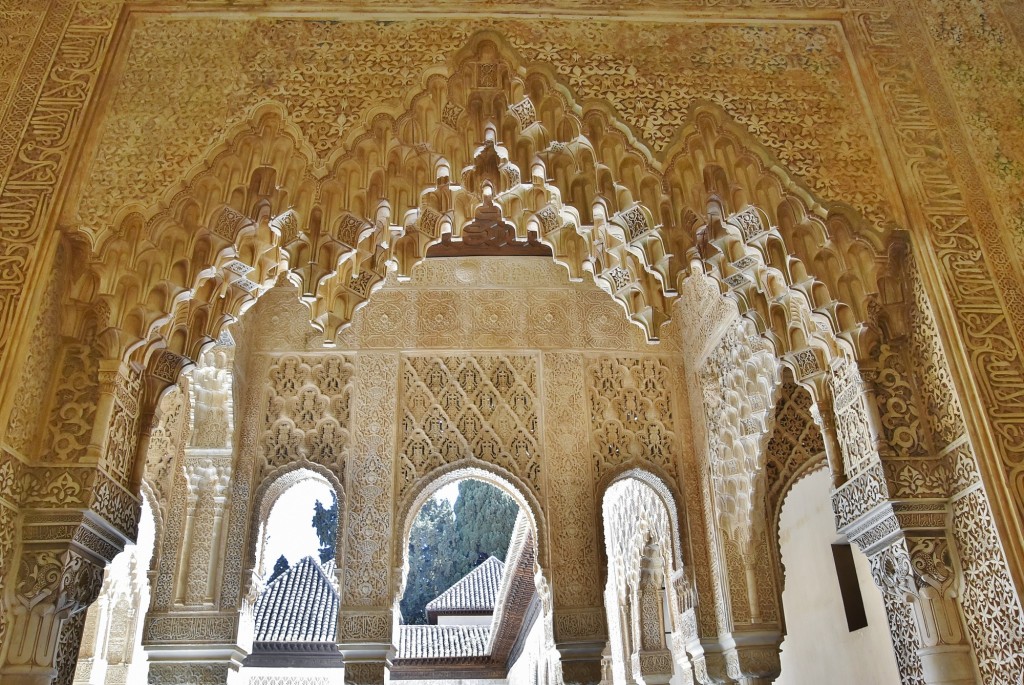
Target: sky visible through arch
x: 449, y: 492
x: 290, y: 524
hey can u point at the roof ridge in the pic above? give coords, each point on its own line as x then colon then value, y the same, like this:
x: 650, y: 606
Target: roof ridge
x: 301, y: 607
x: 475, y: 591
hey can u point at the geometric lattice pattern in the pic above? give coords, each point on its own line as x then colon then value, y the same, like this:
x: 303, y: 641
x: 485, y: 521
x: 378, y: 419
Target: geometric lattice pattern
x: 307, y: 411
x: 484, y: 406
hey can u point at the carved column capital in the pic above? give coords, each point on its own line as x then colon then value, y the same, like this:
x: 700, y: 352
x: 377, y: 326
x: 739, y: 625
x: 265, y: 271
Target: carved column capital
x: 582, y: 671
x: 755, y: 658
x: 54, y: 583
x: 893, y: 571
x: 919, y: 570
x: 208, y: 473
x: 109, y: 374
x: 916, y: 568
x: 652, y: 667
x: 932, y: 563
x: 55, y: 580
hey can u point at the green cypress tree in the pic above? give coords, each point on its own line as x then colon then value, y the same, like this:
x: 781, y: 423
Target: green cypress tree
x: 325, y: 522
x: 446, y: 544
x: 280, y: 566
x: 484, y: 518
x: 431, y: 563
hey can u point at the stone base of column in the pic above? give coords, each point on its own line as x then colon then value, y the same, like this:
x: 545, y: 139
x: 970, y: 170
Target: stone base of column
x: 27, y: 675
x: 947, y: 665
x: 216, y: 665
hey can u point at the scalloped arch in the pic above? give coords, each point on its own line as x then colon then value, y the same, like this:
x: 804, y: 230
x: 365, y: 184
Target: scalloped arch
x: 261, y: 202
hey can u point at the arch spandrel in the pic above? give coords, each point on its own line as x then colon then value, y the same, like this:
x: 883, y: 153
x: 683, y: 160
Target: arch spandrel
x: 429, y: 43
x: 494, y: 303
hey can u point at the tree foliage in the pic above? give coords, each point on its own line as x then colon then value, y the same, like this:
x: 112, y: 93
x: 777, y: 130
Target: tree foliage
x: 431, y: 563
x: 445, y: 543
x: 484, y: 517
x: 280, y: 566
x: 325, y: 523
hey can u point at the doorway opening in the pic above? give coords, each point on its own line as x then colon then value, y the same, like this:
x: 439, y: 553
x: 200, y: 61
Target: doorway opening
x: 470, y: 607
x: 295, y: 613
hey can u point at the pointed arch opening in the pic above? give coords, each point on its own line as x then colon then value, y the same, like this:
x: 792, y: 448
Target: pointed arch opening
x: 290, y: 618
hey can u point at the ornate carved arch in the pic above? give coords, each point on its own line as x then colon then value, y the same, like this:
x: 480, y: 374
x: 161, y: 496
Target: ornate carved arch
x: 795, y: 447
x: 172, y: 275
x: 266, y: 496
x: 653, y: 477
x: 410, y: 505
x: 642, y: 538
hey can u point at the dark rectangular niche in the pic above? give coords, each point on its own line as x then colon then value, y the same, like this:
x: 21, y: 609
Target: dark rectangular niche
x: 849, y: 587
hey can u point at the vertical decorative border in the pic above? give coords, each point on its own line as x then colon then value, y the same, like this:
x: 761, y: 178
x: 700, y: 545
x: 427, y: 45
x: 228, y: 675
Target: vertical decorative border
x: 570, y: 494
x: 44, y: 118
x: 370, y: 475
x: 965, y: 253
x: 34, y: 71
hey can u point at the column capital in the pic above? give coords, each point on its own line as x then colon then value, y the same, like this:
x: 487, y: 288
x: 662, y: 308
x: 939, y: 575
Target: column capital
x: 55, y: 582
x: 916, y: 568
x: 919, y: 570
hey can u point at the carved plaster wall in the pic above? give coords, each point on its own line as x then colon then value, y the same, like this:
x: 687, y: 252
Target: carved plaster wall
x: 891, y: 90
x: 467, y: 409
x: 453, y: 409
x: 807, y: 64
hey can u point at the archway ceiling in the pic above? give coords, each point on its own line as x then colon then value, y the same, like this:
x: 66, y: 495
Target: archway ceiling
x: 187, y: 82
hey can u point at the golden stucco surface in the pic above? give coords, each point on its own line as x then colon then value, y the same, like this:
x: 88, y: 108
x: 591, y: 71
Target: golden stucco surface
x: 18, y: 26
x: 188, y: 81
x: 981, y: 62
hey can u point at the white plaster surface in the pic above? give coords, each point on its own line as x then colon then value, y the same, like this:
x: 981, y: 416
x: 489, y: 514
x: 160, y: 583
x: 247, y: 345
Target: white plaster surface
x: 531, y: 666
x: 819, y: 648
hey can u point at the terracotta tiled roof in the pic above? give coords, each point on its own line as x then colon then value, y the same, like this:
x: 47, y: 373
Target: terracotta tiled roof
x: 442, y: 642
x: 300, y: 605
x: 475, y: 593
